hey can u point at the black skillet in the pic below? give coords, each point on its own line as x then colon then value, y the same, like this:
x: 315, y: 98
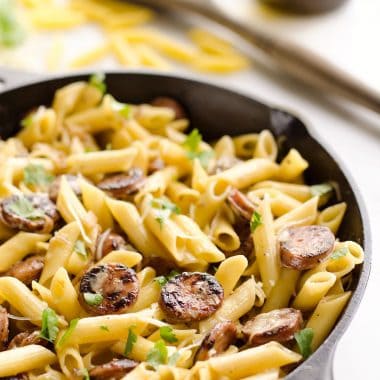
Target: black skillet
x: 217, y: 111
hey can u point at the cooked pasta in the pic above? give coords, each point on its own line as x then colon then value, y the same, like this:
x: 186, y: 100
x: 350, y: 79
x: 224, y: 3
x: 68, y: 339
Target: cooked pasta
x: 144, y: 252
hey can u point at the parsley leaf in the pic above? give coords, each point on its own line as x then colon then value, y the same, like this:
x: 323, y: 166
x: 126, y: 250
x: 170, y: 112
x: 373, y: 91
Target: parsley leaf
x: 85, y: 374
x: 167, y: 334
x: 131, y: 340
x: 93, y: 299
x: 341, y: 252
x: 172, y: 361
x: 255, y: 221
x: 69, y: 331
x: 123, y: 109
x: 49, y: 328
x: 97, y: 80
x: 27, y: 120
x: 21, y: 206
x: 321, y: 189
x: 158, y: 354
x: 37, y: 175
x: 192, y: 145
x: 304, y: 339
x: 80, y: 249
x: 162, y: 280
x: 166, y: 208
x: 11, y: 32
x: 104, y: 328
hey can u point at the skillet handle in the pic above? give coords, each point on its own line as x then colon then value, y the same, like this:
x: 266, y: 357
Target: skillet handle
x: 10, y: 78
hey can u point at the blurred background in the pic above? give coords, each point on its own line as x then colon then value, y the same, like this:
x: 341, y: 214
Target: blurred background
x: 48, y: 37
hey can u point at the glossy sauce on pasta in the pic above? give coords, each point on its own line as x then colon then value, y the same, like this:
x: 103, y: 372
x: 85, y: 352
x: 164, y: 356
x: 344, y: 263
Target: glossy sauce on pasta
x: 133, y: 249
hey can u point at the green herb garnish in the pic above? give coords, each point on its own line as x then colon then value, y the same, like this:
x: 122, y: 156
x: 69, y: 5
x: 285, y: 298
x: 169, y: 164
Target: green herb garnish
x: 104, y: 328
x: 158, y: 354
x: 304, y: 339
x: 86, y: 375
x: 131, y: 340
x: 255, y: 221
x: 93, y: 299
x: 69, y: 331
x: 321, y: 189
x: 162, y: 280
x: 37, y: 175
x: 11, y: 32
x: 166, y: 208
x: 123, y: 109
x: 97, y: 80
x: 49, y: 328
x: 341, y: 252
x: 80, y: 249
x: 24, y: 208
x: 27, y: 120
x: 167, y: 334
x: 192, y: 145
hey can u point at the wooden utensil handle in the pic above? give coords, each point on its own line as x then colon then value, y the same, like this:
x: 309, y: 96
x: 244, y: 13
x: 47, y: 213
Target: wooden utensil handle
x: 297, y: 61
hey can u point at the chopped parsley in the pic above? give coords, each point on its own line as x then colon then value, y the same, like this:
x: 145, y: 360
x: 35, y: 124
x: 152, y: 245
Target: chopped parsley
x: 97, y: 80
x: 68, y: 332
x: 255, y: 221
x: 37, y: 175
x: 85, y: 374
x: 49, y: 328
x: 27, y: 120
x: 192, y: 145
x: 11, y: 31
x: 162, y: 280
x: 341, y: 252
x: 123, y: 109
x: 304, y: 339
x: 21, y: 206
x: 131, y: 340
x: 167, y: 334
x: 172, y: 361
x: 80, y: 249
x: 158, y: 354
x: 93, y: 299
x: 104, y: 328
x: 166, y: 208
x: 321, y: 189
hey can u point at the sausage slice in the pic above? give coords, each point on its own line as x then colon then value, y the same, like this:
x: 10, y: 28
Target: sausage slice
x: 240, y: 204
x: 121, y: 186
x: 217, y: 340
x: 115, y: 369
x: 305, y: 247
x: 110, y: 241
x: 279, y: 325
x: 30, y: 213
x: 4, y: 328
x: 26, y: 338
x: 108, y: 289
x: 165, y: 101
x: 191, y: 296
x: 27, y: 270
x: 72, y: 180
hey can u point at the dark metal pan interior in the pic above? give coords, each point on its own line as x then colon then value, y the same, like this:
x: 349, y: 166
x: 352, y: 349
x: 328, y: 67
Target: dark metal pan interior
x: 216, y: 111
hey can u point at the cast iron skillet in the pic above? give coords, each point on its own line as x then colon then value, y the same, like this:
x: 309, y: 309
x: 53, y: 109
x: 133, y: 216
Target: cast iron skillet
x: 217, y: 111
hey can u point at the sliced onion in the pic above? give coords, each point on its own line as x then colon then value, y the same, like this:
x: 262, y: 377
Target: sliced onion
x: 18, y: 318
x: 99, y: 246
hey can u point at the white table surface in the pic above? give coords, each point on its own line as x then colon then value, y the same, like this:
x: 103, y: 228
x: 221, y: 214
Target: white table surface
x: 349, y: 38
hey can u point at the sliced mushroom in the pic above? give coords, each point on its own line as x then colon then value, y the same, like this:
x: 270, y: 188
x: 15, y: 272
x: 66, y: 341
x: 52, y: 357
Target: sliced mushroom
x: 31, y: 213
x: 240, y: 204
x: 26, y: 338
x: 279, y: 325
x: 122, y: 186
x: 108, y: 289
x: 27, y: 270
x: 4, y: 328
x: 155, y: 165
x: 217, y: 340
x: 305, y: 247
x: 115, y: 369
x: 191, y: 296
x: 110, y: 241
x: 165, y: 101
x: 72, y: 180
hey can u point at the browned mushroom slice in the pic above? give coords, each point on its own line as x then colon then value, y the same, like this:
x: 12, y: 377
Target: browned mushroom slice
x: 165, y: 101
x: 115, y: 369
x: 155, y: 165
x: 217, y: 340
x: 191, y: 296
x: 279, y: 325
x: 110, y: 241
x: 26, y: 338
x: 108, y: 289
x: 122, y: 186
x: 27, y: 270
x: 4, y: 328
x: 305, y: 247
x: 72, y: 180
x: 31, y: 213
x: 240, y: 204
